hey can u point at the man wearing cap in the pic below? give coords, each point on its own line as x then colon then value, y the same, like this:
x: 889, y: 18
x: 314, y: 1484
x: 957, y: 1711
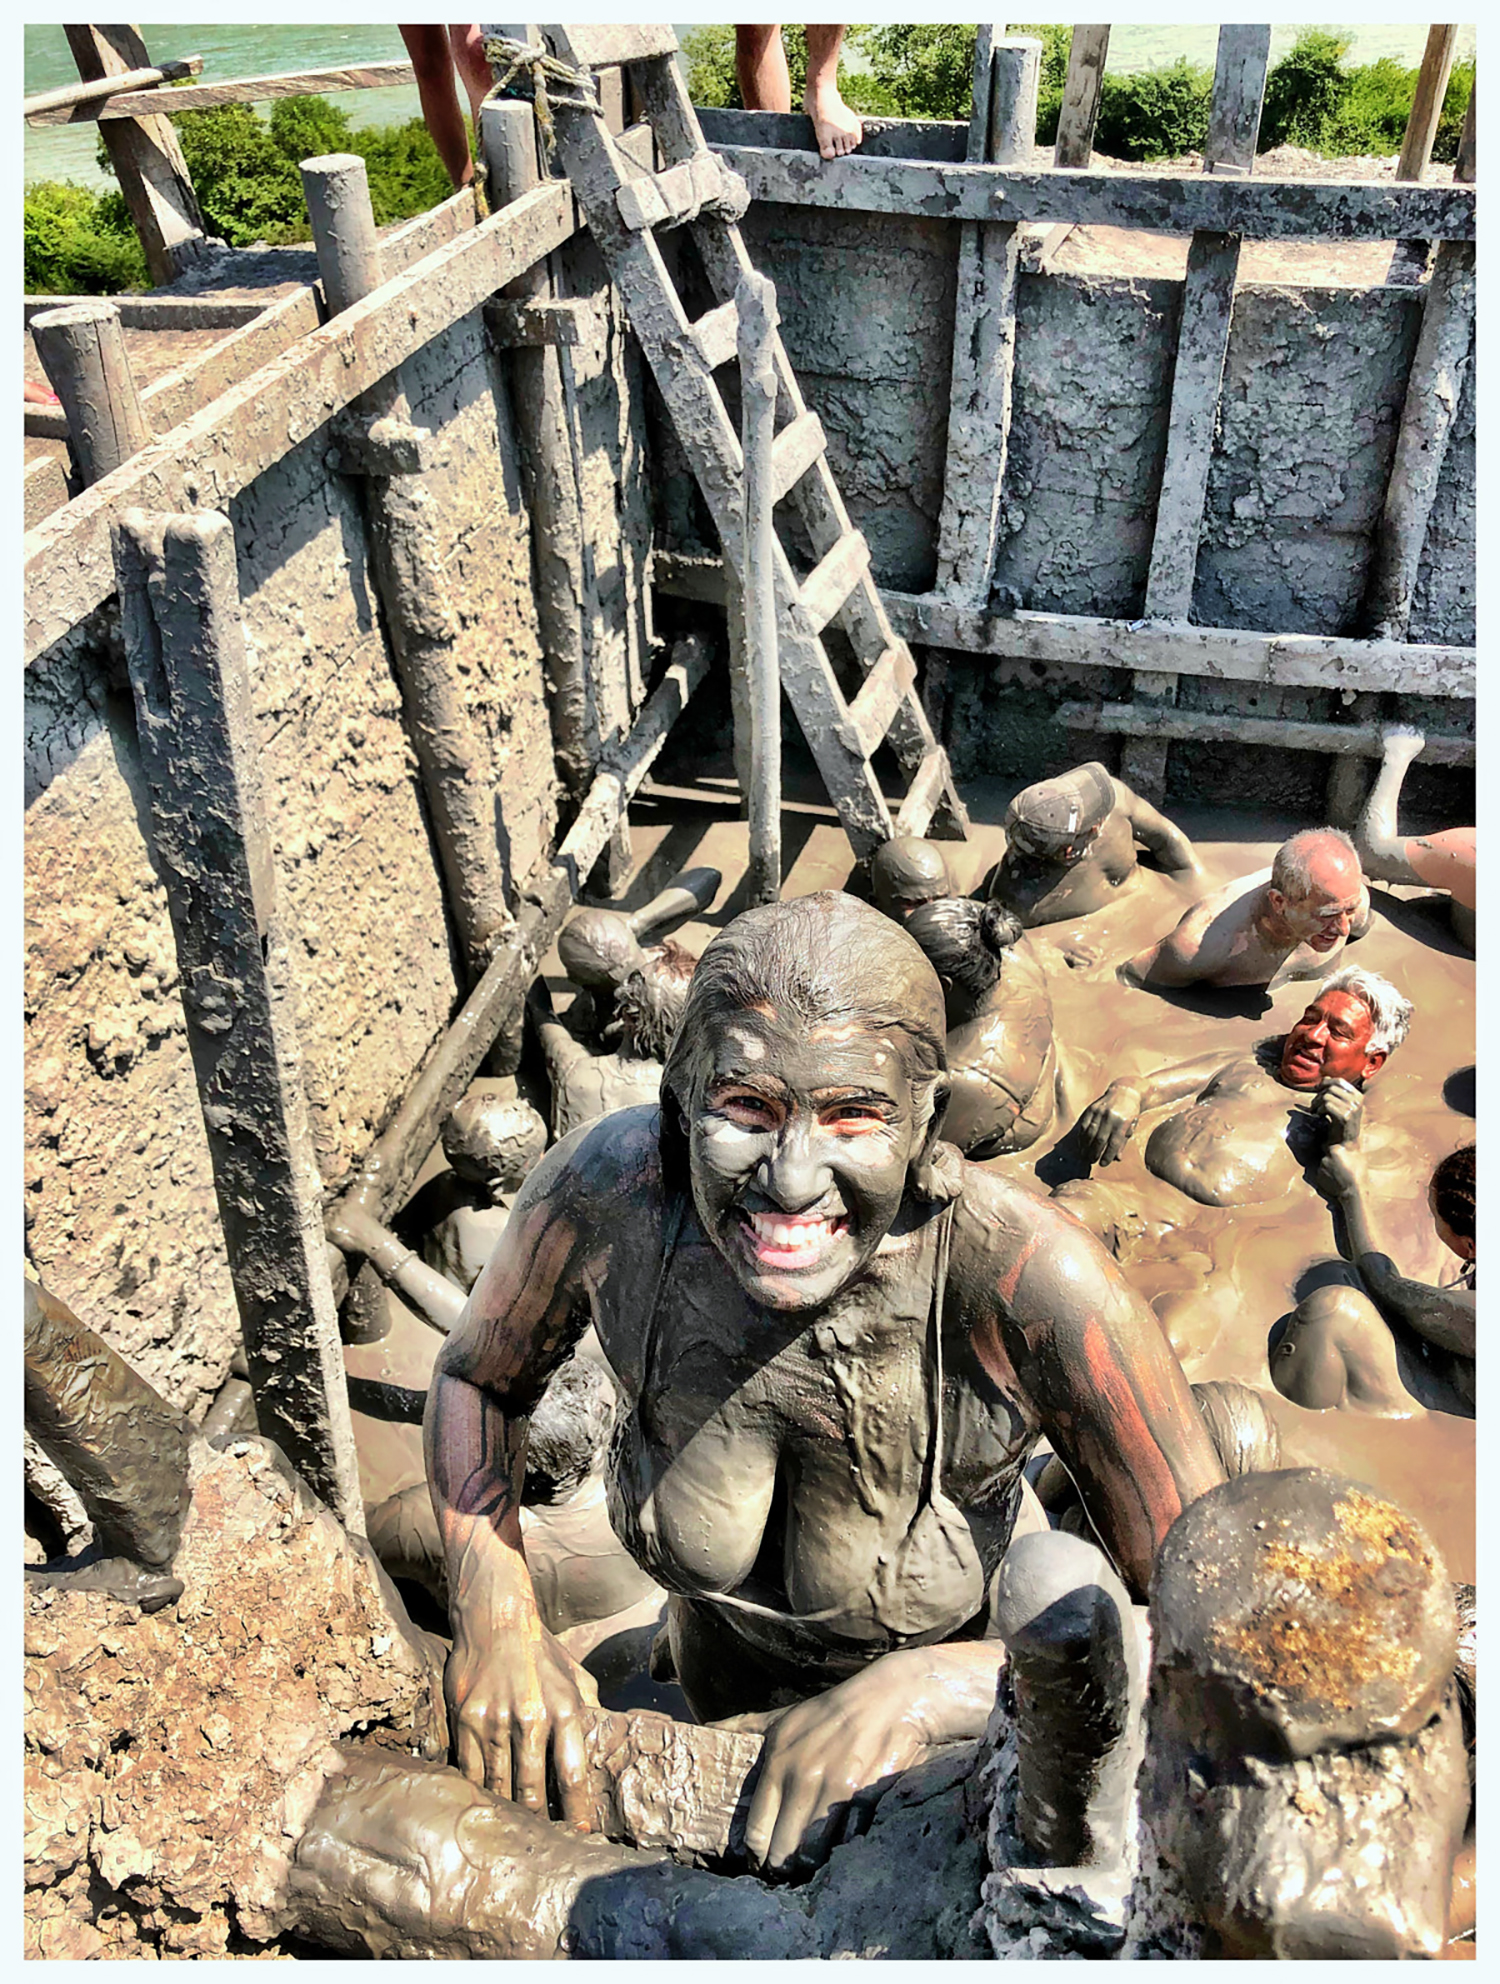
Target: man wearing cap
x: 1070, y: 845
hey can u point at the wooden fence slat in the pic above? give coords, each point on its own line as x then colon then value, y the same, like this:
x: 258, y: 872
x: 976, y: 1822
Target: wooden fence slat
x: 146, y: 157
x: 1165, y: 203
x: 224, y: 447
x: 58, y: 106
x: 1349, y: 741
x: 1076, y: 119
x: 1427, y: 103
x: 984, y: 326
x: 185, y: 648
x: 1226, y: 654
x: 1198, y: 372
x: 263, y: 89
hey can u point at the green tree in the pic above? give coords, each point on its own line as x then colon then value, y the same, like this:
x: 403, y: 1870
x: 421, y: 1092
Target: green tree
x: 1159, y: 113
x: 77, y: 243
x: 1306, y: 90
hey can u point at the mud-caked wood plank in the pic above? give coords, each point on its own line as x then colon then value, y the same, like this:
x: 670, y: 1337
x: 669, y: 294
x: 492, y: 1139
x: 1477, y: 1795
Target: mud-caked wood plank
x: 1229, y: 727
x: 1165, y: 203
x: 1087, y: 53
x: 186, y: 653
x: 1427, y: 101
x: 209, y: 459
x: 79, y: 101
x: 262, y: 89
x: 601, y: 47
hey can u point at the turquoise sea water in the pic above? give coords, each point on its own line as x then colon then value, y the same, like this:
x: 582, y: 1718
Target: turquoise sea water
x: 64, y: 152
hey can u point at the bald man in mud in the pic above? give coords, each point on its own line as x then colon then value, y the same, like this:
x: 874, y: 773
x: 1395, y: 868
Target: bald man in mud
x: 1291, y: 920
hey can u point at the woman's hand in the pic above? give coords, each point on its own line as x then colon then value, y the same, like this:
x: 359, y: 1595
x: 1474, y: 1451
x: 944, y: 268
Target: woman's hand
x: 1105, y: 1127
x: 1339, y: 1175
x: 514, y: 1694
x: 827, y: 1761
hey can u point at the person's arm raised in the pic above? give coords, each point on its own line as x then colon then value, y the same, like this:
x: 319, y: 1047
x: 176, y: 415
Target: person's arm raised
x: 513, y: 1693
x: 1157, y: 834
x: 1445, y: 1316
x: 1097, y: 1367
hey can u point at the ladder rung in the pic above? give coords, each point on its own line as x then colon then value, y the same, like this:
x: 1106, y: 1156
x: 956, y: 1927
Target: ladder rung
x: 794, y: 451
x: 831, y: 581
x: 716, y: 337
x: 878, y: 700
x: 923, y: 794
x: 662, y: 199
x: 603, y: 47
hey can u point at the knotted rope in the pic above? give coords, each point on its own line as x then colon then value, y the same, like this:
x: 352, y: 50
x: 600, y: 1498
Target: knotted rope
x: 573, y: 88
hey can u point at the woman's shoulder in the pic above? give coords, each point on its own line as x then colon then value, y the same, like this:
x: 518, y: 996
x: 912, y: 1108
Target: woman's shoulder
x: 605, y: 1168
x: 1001, y: 1225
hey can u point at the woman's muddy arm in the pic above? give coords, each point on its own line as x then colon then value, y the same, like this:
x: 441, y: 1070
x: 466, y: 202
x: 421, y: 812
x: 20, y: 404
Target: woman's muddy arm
x: 1098, y: 1369
x: 513, y: 1694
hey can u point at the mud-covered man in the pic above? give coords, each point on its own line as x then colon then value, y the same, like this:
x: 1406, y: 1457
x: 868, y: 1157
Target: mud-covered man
x: 1257, y: 1120
x: 1291, y: 920
x: 1072, y: 844
x: 835, y: 1345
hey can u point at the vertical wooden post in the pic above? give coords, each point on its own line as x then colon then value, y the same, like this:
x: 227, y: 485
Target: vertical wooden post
x: 1202, y: 342
x: 1465, y: 168
x: 1427, y: 104
x: 1080, y: 102
x: 146, y: 157
x: 407, y: 554
x: 755, y: 300
x: 82, y: 349
x: 507, y: 133
x: 984, y: 328
x: 185, y: 647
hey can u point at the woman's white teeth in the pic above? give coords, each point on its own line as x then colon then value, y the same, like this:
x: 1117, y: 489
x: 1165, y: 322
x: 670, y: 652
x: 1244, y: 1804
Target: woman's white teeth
x: 803, y: 1236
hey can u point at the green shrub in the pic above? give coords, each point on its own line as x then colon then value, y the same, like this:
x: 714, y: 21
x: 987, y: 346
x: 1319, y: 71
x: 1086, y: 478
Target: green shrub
x: 1455, y: 108
x: 920, y: 71
x: 1306, y: 90
x: 1159, y: 113
x: 77, y: 243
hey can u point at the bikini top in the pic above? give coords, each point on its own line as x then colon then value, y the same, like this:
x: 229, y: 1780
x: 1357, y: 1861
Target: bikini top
x: 927, y: 1583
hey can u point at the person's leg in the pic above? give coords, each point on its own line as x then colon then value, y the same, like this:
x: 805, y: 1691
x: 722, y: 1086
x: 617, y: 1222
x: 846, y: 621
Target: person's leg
x: 760, y: 66
x: 467, y: 44
x: 837, y: 128
x: 1382, y: 848
x: 432, y: 60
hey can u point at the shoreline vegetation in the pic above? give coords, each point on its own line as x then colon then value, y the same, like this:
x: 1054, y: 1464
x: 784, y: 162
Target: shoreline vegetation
x: 244, y: 166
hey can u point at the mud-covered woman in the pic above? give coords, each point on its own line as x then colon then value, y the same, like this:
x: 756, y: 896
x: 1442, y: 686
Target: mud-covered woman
x: 836, y: 1344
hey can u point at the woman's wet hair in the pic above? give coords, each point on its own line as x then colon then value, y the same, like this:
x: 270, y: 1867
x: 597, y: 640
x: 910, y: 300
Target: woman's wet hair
x: 648, y: 1011
x: 826, y: 960
x: 1453, y: 1191
x: 965, y: 941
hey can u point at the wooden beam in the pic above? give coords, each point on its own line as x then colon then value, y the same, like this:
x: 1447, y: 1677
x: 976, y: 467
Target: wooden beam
x: 224, y: 447
x: 1198, y: 372
x: 55, y: 106
x: 44, y: 489
x: 185, y: 648
x: 1229, y: 727
x: 1080, y: 100
x: 146, y: 157
x: 1006, y: 74
x: 262, y: 89
x: 1164, y: 203
x: 1227, y: 654
x: 1427, y: 103
x: 790, y: 131
x: 162, y: 313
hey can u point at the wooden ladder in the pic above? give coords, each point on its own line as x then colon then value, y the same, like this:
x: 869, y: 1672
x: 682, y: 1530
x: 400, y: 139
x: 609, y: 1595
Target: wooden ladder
x: 624, y: 205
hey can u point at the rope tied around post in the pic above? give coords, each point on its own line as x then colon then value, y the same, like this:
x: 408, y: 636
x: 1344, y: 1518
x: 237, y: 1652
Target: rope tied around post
x: 573, y: 87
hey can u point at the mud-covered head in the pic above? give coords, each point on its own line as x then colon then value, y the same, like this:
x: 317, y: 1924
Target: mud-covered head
x: 1317, y: 887
x: 906, y: 872
x: 802, y: 1095
x: 599, y: 949
x: 965, y: 941
x: 1348, y: 1032
x: 493, y: 1139
x: 1057, y: 819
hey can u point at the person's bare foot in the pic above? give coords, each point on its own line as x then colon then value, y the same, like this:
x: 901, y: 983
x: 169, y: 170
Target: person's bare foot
x: 835, y: 125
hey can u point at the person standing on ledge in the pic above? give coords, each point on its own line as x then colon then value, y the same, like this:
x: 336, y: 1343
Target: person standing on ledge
x: 435, y: 51
x: 766, y: 84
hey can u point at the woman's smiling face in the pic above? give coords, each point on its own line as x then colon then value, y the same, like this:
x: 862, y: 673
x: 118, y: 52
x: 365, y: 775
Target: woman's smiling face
x: 800, y: 1138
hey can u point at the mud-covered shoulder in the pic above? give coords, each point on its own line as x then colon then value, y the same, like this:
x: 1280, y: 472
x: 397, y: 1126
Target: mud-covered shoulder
x: 1015, y: 1253
x: 597, y: 1172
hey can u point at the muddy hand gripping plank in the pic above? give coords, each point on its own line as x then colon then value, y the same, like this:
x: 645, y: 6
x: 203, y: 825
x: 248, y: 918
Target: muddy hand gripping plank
x: 624, y: 206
